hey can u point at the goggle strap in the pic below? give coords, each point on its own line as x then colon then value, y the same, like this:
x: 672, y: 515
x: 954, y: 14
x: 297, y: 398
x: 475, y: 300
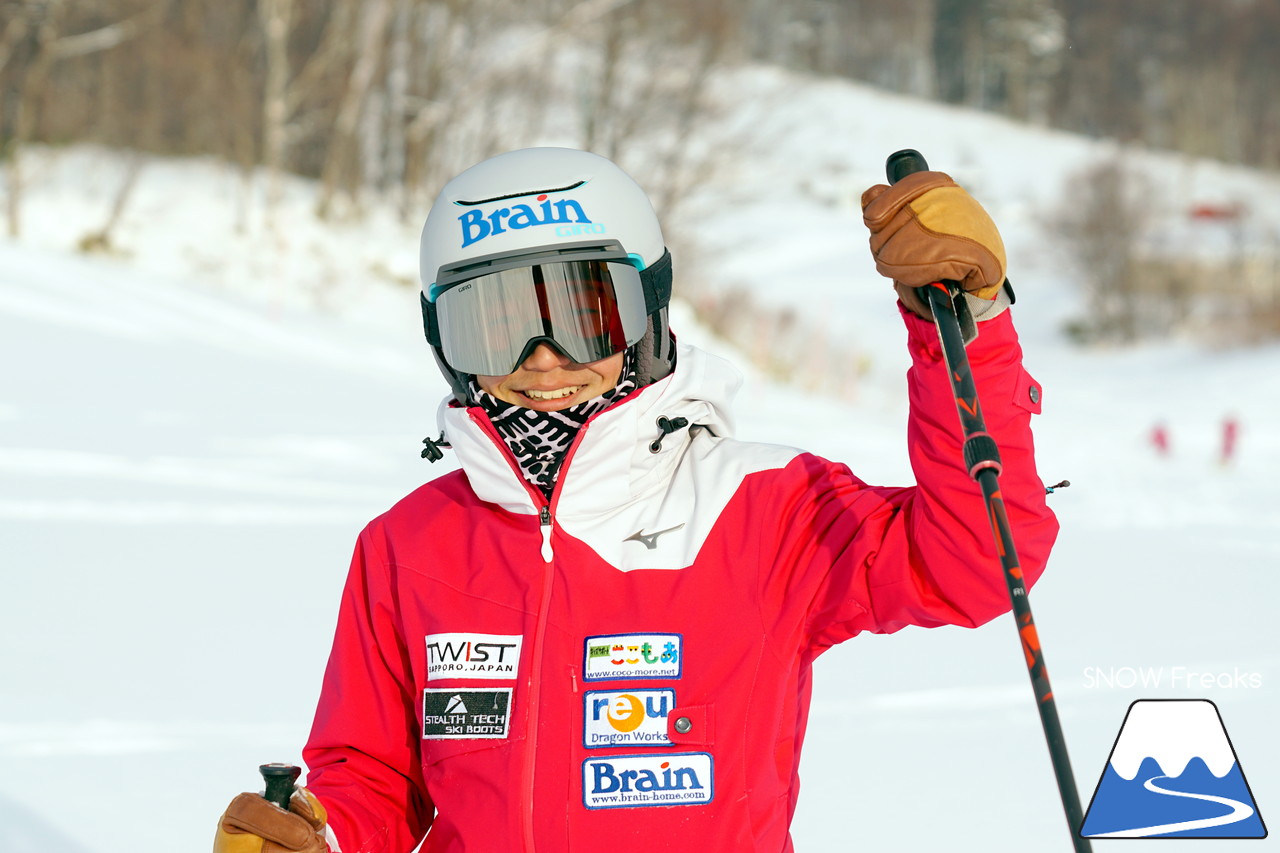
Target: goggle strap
x: 656, y: 281
x: 429, y: 323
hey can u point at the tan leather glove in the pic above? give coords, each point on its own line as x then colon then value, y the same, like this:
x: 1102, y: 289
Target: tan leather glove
x: 253, y: 825
x: 926, y: 228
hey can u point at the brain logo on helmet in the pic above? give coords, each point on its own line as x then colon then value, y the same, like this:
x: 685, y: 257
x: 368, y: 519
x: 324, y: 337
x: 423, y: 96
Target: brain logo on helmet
x: 566, y: 213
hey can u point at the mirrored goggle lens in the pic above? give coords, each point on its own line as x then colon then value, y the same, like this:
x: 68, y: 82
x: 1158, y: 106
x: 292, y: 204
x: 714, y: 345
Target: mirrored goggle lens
x: 589, y: 309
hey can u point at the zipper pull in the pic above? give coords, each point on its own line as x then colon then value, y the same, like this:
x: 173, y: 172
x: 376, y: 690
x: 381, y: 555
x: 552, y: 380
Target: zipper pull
x: 544, y: 516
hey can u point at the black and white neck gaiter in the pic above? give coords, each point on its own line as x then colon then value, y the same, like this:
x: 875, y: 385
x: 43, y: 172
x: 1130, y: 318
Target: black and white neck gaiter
x: 540, y: 440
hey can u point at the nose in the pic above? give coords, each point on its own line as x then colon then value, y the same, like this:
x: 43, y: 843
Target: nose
x: 543, y: 358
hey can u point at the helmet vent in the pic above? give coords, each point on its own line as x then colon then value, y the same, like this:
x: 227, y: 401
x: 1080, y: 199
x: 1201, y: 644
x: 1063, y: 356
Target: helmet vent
x: 519, y: 195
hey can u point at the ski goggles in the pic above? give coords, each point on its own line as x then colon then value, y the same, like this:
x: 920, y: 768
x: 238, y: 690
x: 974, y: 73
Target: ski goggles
x: 587, y: 301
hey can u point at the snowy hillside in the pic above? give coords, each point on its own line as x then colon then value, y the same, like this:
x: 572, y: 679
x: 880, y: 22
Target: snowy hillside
x: 193, y: 432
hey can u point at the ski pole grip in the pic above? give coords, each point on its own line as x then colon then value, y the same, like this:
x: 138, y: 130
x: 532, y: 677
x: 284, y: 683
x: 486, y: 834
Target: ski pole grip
x: 280, y: 779
x: 903, y: 163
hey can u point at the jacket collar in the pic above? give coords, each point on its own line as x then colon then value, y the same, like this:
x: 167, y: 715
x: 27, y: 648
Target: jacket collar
x: 611, y: 463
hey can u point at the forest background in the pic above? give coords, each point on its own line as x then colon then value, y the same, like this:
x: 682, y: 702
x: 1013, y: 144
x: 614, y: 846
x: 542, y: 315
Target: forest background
x: 376, y: 93
x: 383, y: 100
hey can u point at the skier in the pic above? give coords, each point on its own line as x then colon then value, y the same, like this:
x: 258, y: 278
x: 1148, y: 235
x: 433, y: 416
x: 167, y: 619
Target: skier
x: 598, y: 633
x: 1230, y: 435
x: 1160, y: 439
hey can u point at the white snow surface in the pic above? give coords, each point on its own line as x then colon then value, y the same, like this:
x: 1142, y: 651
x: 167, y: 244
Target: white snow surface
x: 193, y: 432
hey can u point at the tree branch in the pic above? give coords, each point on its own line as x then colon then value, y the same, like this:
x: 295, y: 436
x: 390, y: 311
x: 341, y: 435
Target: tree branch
x: 95, y: 41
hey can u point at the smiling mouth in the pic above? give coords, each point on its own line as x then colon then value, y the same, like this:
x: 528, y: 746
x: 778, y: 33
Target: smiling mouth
x: 557, y: 394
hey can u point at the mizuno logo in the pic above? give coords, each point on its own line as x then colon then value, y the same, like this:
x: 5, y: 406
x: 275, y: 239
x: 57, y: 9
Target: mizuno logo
x: 650, y: 540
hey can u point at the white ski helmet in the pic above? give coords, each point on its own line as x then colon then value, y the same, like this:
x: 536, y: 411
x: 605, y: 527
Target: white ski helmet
x: 511, y: 219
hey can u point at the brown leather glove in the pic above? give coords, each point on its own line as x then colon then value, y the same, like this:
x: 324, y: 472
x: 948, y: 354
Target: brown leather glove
x: 253, y: 825
x: 926, y: 228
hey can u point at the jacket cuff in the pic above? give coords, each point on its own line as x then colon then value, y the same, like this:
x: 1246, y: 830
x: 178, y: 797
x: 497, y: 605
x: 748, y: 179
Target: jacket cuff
x: 994, y: 333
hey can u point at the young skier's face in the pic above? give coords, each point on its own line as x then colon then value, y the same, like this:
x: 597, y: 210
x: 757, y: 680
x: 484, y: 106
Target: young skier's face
x: 549, y: 382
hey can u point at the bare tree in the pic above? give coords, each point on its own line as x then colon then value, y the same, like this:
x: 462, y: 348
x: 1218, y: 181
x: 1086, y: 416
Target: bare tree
x: 369, y: 52
x: 397, y: 100
x: 40, y: 25
x: 1101, y: 223
x: 276, y: 17
x: 100, y: 239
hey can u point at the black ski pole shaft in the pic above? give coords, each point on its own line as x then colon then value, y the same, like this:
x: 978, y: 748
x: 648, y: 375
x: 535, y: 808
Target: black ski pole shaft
x: 982, y: 460
x: 280, y: 779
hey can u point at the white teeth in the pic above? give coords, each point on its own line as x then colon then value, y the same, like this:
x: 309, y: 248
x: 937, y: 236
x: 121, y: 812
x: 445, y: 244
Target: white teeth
x: 552, y: 395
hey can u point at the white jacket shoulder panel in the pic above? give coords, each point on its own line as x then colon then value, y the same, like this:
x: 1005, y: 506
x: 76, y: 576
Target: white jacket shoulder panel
x: 666, y: 527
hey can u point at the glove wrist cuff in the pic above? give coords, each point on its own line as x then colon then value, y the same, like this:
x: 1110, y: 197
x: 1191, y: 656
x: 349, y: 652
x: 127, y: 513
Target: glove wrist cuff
x: 989, y: 309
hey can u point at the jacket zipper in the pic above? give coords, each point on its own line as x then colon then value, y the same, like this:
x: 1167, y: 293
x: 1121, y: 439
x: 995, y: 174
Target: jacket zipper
x: 535, y: 676
x: 546, y: 523
x: 539, y: 634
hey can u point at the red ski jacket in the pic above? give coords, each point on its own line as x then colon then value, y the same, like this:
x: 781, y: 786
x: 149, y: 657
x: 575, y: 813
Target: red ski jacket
x: 627, y: 667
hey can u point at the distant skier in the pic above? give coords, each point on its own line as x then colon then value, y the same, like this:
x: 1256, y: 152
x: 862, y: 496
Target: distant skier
x: 1230, y: 435
x: 1160, y: 439
x: 598, y: 634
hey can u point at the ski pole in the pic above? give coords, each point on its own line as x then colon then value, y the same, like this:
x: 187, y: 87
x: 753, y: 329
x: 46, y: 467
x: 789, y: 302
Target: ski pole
x: 956, y: 328
x: 280, y: 779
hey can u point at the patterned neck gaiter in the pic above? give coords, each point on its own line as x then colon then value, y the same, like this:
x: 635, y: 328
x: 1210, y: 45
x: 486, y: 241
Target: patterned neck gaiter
x: 540, y: 440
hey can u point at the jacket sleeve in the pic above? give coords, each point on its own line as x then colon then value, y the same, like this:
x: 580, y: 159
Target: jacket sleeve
x: 859, y: 558
x: 362, y: 755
